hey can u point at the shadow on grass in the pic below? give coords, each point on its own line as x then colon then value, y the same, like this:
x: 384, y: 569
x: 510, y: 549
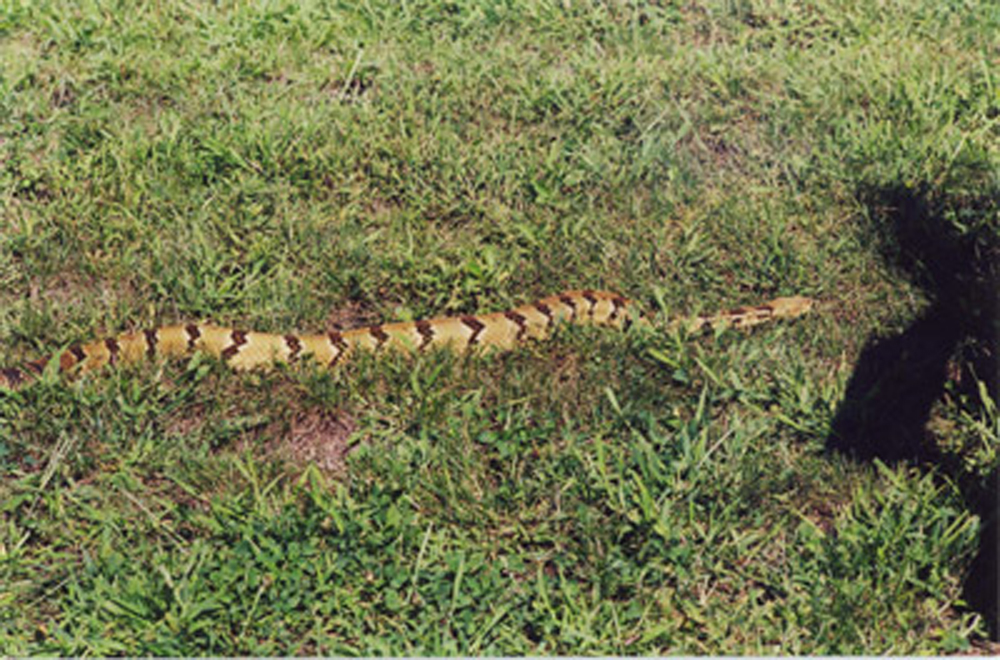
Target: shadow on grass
x: 898, y: 378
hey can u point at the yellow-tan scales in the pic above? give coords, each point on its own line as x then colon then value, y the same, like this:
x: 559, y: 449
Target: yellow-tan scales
x: 498, y: 331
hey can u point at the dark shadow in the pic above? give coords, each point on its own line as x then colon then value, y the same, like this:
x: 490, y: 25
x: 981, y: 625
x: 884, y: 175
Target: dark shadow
x: 953, y: 345
x: 896, y: 381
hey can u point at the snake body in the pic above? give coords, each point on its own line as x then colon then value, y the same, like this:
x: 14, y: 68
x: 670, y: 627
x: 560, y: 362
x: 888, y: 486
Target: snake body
x: 501, y: 330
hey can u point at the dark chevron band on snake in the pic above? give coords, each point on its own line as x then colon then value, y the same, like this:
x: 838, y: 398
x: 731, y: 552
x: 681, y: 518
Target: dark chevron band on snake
x: 243, y: 349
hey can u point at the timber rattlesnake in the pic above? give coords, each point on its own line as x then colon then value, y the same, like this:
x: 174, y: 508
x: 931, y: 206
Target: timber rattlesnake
x: 500, y: 330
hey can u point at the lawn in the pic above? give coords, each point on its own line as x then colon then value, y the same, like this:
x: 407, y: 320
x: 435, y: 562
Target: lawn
x: 313, y: 165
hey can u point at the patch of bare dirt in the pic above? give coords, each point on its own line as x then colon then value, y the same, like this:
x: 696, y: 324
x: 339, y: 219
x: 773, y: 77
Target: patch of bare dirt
x: 320, y: 438
x: 349, y: 316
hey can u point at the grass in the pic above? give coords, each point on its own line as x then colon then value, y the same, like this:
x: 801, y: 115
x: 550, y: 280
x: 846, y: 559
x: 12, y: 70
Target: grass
x: 278, y: 164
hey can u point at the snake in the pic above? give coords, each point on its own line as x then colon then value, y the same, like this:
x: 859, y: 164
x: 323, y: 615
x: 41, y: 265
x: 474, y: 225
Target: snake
x: 242, y: 349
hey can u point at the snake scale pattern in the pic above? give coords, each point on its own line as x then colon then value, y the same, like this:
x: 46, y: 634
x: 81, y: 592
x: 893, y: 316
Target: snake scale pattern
x: 501, y: 330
